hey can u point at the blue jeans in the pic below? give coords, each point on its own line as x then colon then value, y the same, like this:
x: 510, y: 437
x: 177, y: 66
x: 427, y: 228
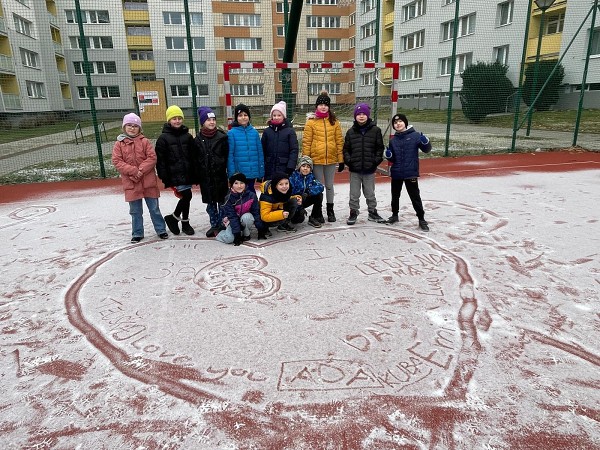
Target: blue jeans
x: 137, y: 217
x: 226, y: 236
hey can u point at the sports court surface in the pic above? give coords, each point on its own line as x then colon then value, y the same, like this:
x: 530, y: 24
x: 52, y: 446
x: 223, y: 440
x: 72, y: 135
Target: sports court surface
x: 481, y: 334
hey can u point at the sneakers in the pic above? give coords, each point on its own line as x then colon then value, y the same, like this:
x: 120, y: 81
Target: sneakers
x: 186, y: 228
x: 314, y: 222
x: 375, y: 217
x: 172, y: 223
x: 163, y: 235
x: 393, y: 218
x: 286, y: 226
x: 423, y: 225
x: 353, y: 216
x: 268, y: 233
x: 136, y: 239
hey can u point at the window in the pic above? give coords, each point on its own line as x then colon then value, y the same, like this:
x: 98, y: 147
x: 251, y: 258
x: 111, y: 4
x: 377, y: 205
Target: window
x: 243, y: 44
x: 95, y: 42
x: 412, y: 10
x: 279, y: 7
x: 135, y: 5
x: 100, y: 92
x: 180, y: 43
x: 141, y: 55
x: 35, y: 89
x: 367, y: 30
x: 448, y: 2
x: 323, y: 44
x: 595, y: 50
x: 352, y: 42
x: 323, y: 21
x: 352, y: 86
x: 500, y: 54
x: 352, y: 19
x: 466, y: 26
x: 367, y: 79
x: 413, y: 40
x: 411, y: 72
x: 505, y: 13
x: 183, y: 67
x: 555, y: 23
x: 137, y: 31
x: 21, y: 25
x: 243, y: 1
x: 367, y: 54
x: 280, y: 54
x: 317, y: 69
x: 177, y: 18
x: 247, y: 90
x: 88, y: 16
x: 29, y: 58
x: 96, y: 67
x: 317, y: 88
x: 367, y: 5
x: 321, y: 2
x: 462, y: 62
x: 245, y: 70
x: 201, y: 89
x: 280, y: 30
x: 241, y: 20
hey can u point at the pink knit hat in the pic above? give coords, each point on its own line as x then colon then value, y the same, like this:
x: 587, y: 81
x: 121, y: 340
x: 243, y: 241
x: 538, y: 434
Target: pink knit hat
x: 132, y: 118
x: 281, y: 107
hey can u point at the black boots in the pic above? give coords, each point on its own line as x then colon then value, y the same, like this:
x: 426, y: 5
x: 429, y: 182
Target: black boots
x: 330, y: 213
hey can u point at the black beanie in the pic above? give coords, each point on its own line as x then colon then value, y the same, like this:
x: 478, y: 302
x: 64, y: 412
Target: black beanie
x: 240, y: 109
x: 238, y: 176
x: 401, y: 117
x: 323, y: 99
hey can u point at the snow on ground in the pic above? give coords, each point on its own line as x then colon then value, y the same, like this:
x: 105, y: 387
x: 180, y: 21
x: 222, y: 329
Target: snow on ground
x: 482, y: 333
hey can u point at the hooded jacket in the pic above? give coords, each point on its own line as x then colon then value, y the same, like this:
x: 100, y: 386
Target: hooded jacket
x: 175, y: 152
x: 280, y: 148
x: 322, y: 141
x: 211, y: 162
x: 236, y: 205
x: 405, y: 146
x: 245, y: 151
x: 130, y: 155
x: 363, y: 148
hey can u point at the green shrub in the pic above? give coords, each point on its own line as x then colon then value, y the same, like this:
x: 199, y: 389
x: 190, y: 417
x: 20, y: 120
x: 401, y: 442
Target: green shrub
x: 551, y: 92
x: 486, y: 90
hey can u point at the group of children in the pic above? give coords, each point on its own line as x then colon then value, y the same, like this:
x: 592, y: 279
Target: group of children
x: 227, y: 166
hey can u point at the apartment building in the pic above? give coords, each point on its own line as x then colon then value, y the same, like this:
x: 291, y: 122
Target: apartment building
x: 132, y: 41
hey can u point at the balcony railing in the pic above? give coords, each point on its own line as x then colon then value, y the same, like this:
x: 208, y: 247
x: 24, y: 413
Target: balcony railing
x: 11, y: 101
x: 63, y: 77
x: 2, y: 25
x: 6, y: 64
x: 58, y: 48
x: 68, y: 103
x: 52, y: 19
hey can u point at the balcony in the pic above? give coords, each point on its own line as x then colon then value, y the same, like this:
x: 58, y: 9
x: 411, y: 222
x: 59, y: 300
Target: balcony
x: 11, y: 101
x: 139, y: 42
x: 52, y: 19
x: 142, y: 66
x: 550, y: 46
x: 2, y: 26
x: 388, y: 20
x: 388, y: 48
x: 132, y: 16
x: 63, y: 77
x: 6, y: 64
x: 58, y: 48
x: 68, y: 103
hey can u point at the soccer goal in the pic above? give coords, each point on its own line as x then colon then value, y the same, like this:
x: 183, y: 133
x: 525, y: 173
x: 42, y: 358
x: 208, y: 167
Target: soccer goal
x: 261, y: 85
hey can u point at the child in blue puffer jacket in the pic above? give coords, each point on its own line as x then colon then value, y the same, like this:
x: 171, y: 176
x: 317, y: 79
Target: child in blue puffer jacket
x: 240, y: 212
x: 304, y: 183
x: 245, y: 149
x: 403, y: 153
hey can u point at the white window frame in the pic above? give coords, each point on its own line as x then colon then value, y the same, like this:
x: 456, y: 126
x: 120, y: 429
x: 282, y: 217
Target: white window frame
x: 367, y: 5
x: 183, y: 67
x: 323, y: 45
x: 367, y: 79
x: 141, y: 55
x: 555, y: 23
x: 22, y: 26
x: 413, y: 10
x: 91, y: 16
x: 466, y: 27
x: 595, y: 50
x: 198, y: 43
x: 331, y: 88
x: 368, y: 30
x: 500, y: 54
x: 29, y: 59
x: 413, y: 41
x: 98, y: 67
x: 93, y: 42
x: 411, y: 72
x: 463, y: 61
x: 248, y: 90
x: 505, y: 13
x: 242, y: 20
x: 35, y: 89
x: 238, y: 43
x: 322, y: 2
x: 102, y: 92
x: 323, y: 21
x: 367, y: 55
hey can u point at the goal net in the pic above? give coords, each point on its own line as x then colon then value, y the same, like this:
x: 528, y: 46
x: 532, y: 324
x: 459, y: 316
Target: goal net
x: 261, y: 85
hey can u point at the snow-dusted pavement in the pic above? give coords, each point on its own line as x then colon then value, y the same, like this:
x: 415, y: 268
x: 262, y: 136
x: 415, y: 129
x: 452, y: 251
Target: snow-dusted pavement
x: 482, y: 333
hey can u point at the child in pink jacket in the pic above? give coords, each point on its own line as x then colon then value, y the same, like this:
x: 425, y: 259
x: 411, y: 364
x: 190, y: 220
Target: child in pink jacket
x: 134, y: 157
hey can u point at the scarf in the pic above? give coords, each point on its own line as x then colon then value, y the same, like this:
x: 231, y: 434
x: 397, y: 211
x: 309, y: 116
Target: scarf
x: 321, y: 115
x: 208, y: 133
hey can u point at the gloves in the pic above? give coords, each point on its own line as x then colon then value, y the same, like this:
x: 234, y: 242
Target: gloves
x: 424, y: 139
x: 262, y: 234
x: 341, y: 167
x: 176, y: 192
x: 387, y: 153
x: 289, y: 170
x: 237, y: 239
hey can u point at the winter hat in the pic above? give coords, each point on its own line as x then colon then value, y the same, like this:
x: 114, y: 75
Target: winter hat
x: 204, y: 112
x: 174, y: 111
x: 279, y: 196
x: 305, y: 160
x: 323, y: 99
x: 238, y: 176
x: 362, y: 108
x: 240, y: 109
x: 133, y: 119
x: 281, y: 107
x: 277, y: 177
x: 401, y: 117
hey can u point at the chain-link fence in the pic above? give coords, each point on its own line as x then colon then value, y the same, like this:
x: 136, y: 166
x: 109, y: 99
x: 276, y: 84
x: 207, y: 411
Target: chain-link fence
x: 63, y: 98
